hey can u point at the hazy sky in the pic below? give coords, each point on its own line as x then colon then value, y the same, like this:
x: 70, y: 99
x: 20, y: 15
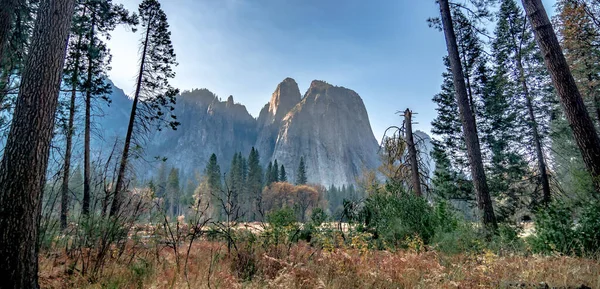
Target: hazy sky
x: 382, y: 49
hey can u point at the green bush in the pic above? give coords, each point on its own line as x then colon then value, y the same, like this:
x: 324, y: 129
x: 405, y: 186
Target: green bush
x: 464, y: 238
x: 554, y: 230
x: 396, y: 217
x: 558, y: 229
x: 588, y: 230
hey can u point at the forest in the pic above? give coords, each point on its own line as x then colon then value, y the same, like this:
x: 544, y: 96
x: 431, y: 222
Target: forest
x: 513, y: 200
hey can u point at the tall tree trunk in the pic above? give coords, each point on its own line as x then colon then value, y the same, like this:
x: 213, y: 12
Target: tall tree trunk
x: 537, y: 139
x: 583, y: 128
x: 484, y: 200
x: 87, y: 126
x: 23, y: 167
x: 64, y: 203
x: 412, y: 153
x: 116, y: 204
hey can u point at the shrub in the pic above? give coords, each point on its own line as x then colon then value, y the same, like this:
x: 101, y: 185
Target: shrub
x: 554, y: 230
x: 557, y: 230
x: 588, y: 230
x: 394, y: 218
x: 464, y: 238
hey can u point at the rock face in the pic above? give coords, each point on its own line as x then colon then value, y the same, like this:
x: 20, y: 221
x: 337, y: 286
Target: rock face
x: 329, y: 127
x: 208, y: 125
x: 286, y: 96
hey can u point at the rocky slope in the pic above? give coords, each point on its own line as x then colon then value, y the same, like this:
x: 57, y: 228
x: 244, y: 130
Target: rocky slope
x: 329, y: 127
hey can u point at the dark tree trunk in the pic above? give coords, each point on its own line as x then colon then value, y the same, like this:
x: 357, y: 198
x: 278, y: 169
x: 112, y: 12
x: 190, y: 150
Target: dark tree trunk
x: 87, y: 125
x: 484, y: 200
x: 412, y: 153
x: 537, y: 139
x: 583, y: 128
x: 64, y: 203
x: 116, y: 204
x: 23, y: 167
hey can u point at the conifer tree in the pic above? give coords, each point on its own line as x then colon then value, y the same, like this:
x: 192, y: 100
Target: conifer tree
x: 25, y: 159
x: 523, y: 87
x: 16, y: 27
x: 173, y: 191
x: 154, y: 98
x: 282, y: 174
x: 99, y: 18
x: 580, y: 41
x: 213, y: 175
x: 576, y: 113
x: 301, y: 173
x: 468, y: 119
x: 275, y: 172
x: 269, y: 174
x: 254, y: 183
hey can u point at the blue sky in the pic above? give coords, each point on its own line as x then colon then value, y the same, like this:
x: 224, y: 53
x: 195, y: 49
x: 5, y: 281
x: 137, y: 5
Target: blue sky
x: 382, y: 49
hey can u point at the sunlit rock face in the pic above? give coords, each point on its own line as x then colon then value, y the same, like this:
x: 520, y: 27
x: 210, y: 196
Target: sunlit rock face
x: 286, y: 96
x: 330, y: 129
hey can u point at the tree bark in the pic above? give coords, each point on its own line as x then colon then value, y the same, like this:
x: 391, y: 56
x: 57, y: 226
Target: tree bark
x: 23, y: 167
x: 87, y: 125
x: 412, y: 153
x: 583, y: 128
x: 484, y: 200
x: 116, y: 204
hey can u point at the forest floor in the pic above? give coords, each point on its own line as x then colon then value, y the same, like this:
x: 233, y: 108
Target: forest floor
x: 302, y: 266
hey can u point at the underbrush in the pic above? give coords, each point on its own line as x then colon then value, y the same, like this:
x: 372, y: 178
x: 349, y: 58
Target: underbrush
x: 388, y: 241
x: 305, y: 266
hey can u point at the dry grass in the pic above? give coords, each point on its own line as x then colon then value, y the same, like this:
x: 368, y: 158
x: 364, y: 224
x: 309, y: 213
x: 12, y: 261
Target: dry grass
x: 301, y: 266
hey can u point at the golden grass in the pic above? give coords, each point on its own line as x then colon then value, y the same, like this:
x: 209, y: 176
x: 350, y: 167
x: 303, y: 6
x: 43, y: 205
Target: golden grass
x: 301, y: 266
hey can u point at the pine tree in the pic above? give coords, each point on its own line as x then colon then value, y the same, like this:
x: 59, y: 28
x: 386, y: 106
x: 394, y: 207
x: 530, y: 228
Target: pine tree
x: 580, y: 40
x: 16, y: 27
x: 573, y: 105
x: 254, y: 184
x: 213, y: 175
x: 275, y: 172
x: 282, y: 174
x: 25, y: 159
x: 301, y: 173
x: 269, y: 174
x: 448, y: 127
x: 576, y: 32
x: 468, y: 119
x: 173, y: 192
x: 98, y: 19
x: 213, y: 172
x: 154, y: 98
x: 524, y: 90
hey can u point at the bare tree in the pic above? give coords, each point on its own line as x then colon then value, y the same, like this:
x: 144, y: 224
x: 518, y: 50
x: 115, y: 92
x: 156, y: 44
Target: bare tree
x: 412, y: 153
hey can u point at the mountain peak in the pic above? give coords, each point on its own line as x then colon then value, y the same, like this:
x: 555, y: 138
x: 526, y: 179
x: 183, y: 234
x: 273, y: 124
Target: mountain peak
x: 284, y: 98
